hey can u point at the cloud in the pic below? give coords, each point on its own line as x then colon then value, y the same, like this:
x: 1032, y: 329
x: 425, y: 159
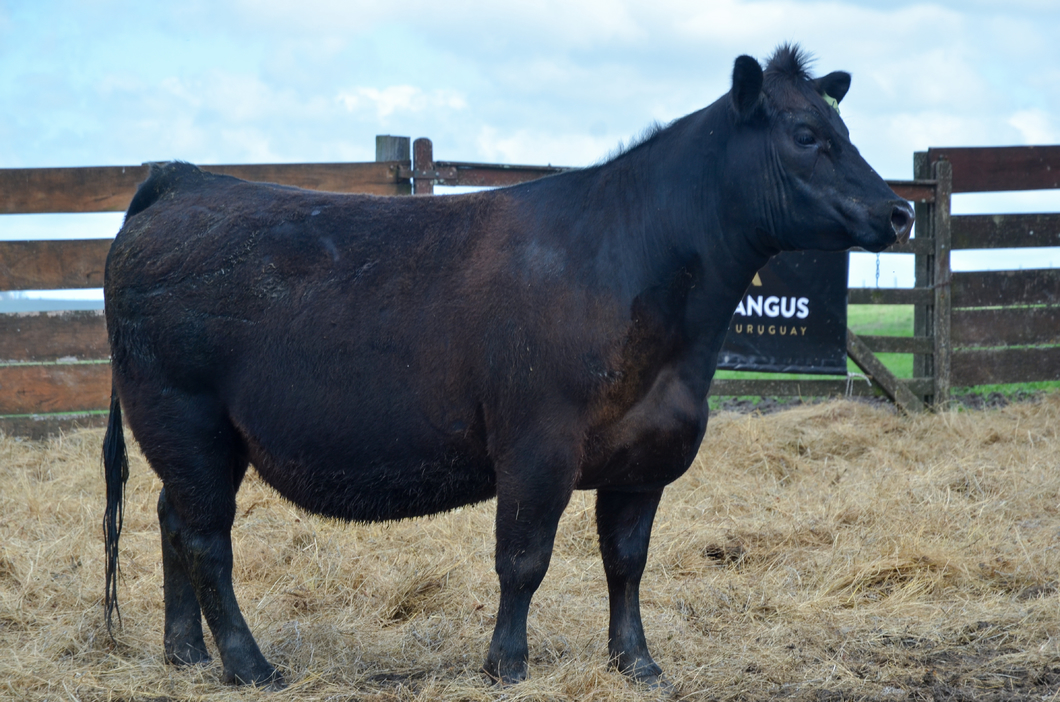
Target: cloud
x: 1034, y: 127
x: 528, y: 146
x: 467, y: 24
x: 399, y: 98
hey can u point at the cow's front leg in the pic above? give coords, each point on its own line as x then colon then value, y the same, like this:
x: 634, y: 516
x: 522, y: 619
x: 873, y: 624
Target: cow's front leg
x: 623, y: 520
x: 529, y: 505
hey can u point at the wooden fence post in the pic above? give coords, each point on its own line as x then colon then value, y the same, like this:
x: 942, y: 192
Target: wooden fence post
x: 923, y: 275
x: 942, y: 277
x: 423, y: 167
x: 395, y: 148
x: 391, y: 148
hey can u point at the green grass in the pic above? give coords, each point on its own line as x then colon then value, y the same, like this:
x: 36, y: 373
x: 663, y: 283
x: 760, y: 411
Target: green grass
x: 1009, y: 390
x: 881, y: 320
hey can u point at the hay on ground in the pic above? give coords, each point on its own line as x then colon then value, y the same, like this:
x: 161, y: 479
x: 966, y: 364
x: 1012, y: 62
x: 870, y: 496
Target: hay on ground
x: 829, y: 552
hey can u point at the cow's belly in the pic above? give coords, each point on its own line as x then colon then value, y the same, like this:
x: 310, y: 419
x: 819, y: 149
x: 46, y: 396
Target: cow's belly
x: 380, y: 488
x: 345, y: 456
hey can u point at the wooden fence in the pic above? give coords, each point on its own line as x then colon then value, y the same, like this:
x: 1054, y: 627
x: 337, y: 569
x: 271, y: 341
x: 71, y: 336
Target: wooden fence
x: 995, y: 326
x: 971, y: 328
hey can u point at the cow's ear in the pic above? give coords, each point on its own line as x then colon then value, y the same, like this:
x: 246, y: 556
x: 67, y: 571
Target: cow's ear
x: 746, y: 86
x: 834, y: 85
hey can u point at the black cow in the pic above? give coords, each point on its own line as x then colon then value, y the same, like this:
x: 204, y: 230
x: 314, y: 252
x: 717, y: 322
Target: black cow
x: 381, y: 358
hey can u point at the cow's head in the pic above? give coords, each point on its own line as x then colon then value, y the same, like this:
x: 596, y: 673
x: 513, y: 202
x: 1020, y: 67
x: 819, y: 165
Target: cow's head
x: 801, y: 183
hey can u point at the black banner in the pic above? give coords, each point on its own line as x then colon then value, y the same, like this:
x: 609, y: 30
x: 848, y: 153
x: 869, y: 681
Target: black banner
x: 793, y: 318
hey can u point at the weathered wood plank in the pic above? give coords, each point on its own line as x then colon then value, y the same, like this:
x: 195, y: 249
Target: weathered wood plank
x: 924, y: 273
x: 808, y: 388
x: 1006, y: 288
x: 890, y: 296
x: 493, y: 174
x: 943, y: 294
x: 499, y: 175
x: 371, y: 178
x: 899, y: 393
x: 110, y: 188
x: 1020, y: 365
x: 86, y: 189
x: 42, y: 426
x: 919, y: 245
x: 787, y: 388
x: 50, y: 336
x: 899, y: 344
x: 1005, y: 231
x: 917, y: 191
x: 53, y: 265
x: 989, y: 169
x: 40, y: 389
x: 1007, y: 326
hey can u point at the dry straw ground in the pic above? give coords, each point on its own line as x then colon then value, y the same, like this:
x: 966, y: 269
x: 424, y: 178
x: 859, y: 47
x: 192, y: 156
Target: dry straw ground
x: 828, y: 552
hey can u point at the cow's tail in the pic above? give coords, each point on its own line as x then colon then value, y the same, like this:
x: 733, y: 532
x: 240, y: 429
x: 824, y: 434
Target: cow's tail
x: 115, y: 473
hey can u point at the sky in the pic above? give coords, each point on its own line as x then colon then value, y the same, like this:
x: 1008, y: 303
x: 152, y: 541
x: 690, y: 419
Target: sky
x: 111, y: 82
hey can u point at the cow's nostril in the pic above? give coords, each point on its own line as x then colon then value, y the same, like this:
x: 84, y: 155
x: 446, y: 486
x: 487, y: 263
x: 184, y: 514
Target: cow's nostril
x: 902, y: 221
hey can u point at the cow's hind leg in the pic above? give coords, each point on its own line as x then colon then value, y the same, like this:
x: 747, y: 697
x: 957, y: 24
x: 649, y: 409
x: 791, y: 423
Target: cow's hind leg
x: 184, y: 644
x: 201, y: 461
x: 624, y: 520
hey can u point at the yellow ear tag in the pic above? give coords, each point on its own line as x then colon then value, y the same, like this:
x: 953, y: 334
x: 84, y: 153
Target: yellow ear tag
x: 831, y: 101
x: 757, y: 282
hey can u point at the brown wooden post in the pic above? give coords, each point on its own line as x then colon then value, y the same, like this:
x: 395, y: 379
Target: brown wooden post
x: 395, y: 148
x: 924, y: 271
x: 943, y: 276
x: 423, y: 167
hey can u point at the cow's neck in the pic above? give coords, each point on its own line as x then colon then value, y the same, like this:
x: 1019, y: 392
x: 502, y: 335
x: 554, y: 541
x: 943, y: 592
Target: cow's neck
x: 678, y: 229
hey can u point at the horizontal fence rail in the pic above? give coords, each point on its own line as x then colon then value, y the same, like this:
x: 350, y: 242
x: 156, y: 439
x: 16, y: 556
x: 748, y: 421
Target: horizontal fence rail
x: 889, y: 296
x: 67, y: 387
x: 1017, y: 326
x: 1005, y: 365
x: 36, y: 337
x: 53, y: 265
x: 110, y: 188
x: 1005, y: 231
x: 1005, y: 168
x: 1004, y: 288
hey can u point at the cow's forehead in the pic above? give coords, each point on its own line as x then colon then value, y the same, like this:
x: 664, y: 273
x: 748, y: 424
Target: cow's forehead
x: 787, y: 94
x: 796, y: 97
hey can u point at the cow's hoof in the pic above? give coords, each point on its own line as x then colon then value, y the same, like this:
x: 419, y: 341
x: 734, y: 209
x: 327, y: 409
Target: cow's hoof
x: 187, y: 654
x: 503, y: 675
x: 646, y: 672
x: 261, y: 676
x: 660, y: 686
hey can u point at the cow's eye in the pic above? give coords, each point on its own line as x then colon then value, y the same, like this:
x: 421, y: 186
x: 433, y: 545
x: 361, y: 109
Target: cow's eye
x: 805, y: 138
